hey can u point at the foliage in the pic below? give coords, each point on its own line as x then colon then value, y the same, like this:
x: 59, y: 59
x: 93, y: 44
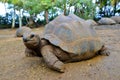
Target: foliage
x: 83, y: 8
x: 37, y: 6
x: 114, y: 2
x: 107, y: 12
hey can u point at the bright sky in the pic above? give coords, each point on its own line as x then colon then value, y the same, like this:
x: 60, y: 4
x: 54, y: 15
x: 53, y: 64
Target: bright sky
x: 2, y: 9
x: 93, y: 1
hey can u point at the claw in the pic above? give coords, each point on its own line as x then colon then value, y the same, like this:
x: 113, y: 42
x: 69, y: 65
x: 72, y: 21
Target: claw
x: 59, y: 66
x: 105, y: 52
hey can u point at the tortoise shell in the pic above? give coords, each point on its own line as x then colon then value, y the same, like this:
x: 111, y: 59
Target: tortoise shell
x: 72, y: 35
x: 106, y: 21
x: 116, y: 18
x: 20, y: 31
x: 91, y: 22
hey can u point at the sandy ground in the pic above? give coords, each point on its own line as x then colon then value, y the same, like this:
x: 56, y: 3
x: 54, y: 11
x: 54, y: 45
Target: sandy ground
x: 15, y: 66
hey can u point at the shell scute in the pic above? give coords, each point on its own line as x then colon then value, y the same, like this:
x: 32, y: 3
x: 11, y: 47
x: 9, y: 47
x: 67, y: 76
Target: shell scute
x: 73, y: 36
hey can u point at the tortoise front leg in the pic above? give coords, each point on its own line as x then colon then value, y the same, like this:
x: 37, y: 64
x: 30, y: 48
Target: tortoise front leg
x: 104, y: 51
x: 51, y: 60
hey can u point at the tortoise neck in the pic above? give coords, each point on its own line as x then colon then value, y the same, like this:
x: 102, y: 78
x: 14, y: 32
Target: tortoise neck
x: 44, y: 42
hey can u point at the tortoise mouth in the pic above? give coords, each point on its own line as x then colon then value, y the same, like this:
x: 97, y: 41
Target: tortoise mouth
x: 31, y: 43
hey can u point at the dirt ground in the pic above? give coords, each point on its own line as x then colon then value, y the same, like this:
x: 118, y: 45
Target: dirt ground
x: 15, y: 66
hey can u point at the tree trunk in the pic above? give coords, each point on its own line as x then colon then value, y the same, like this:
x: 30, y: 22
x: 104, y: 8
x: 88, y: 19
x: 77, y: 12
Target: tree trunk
x: 27, y: 20
x: 20, y: 19
x: 13, y: 19
x: 65, y: 10
x: 31, y: 22
x: 5, y: 8
x: 115, y: 8
x: 75, y: 11
x: 46, y: 16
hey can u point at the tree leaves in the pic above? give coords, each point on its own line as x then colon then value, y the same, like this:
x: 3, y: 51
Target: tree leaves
x: 113, y: 2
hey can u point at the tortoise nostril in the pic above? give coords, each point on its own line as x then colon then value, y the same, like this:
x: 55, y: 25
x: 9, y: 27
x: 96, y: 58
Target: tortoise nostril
x: 25, y: 40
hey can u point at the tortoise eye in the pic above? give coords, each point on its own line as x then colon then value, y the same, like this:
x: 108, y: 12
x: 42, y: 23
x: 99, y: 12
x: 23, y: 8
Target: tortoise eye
x: 32, y: 35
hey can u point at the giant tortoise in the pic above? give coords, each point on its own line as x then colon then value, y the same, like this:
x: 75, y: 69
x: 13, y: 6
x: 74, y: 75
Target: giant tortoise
x: 116, y: 18
x: 91, y: 22
x: 64, y: 40
x: 106, y: 21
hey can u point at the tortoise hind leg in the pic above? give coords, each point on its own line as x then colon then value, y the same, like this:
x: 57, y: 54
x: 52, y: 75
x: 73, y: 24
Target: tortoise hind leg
x: 103, y: 51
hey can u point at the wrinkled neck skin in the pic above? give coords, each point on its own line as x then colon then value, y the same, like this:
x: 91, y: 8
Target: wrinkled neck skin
x: 44, y: 42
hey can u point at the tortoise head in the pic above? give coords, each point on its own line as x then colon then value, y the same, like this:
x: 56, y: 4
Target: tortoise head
x: 31, y: 40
